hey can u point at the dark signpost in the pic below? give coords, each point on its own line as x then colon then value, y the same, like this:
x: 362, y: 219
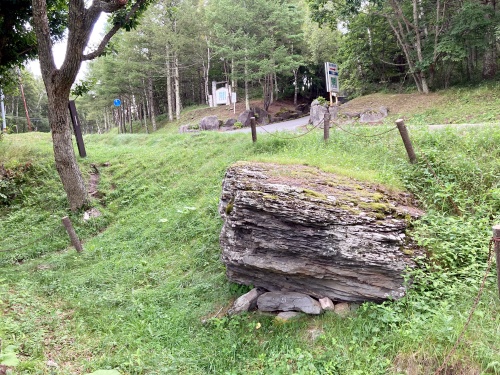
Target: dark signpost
x: 77, y: 129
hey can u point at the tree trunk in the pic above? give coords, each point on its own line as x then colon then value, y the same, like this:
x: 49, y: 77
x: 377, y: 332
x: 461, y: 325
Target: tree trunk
x: 168, y: 66
x: 268, y: 90
x: 296, y: 89
x: 206, y: 72
x: 418, y: 44
x: 151, y: 103
x: 144, y: 117
x: 490, y: 57
x: 177, y: 89
x: 247, y: 100
x: 130, y: 120
x: 64, y: 154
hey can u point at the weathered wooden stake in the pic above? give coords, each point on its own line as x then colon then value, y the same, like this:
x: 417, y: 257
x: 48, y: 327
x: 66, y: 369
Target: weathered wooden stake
x: 77, y: 128
x: 326, y: 126
x: 254, y: 129
x: 496, y: 235
x: 406, y: 140
x: 72, y: 234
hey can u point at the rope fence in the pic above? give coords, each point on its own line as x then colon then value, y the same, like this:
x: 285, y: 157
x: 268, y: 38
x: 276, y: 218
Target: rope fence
x: 494, y: 243
x: 366, y: 136
x: 273, y: 134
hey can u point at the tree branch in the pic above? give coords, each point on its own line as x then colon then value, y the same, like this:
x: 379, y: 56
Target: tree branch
x: 390, y: 63
x: 100, y: 49
x: 111, y: 6
x: 42, y: 31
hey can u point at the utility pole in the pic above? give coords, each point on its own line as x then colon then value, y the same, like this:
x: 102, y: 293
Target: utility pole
x: 24, y: 99
x: 4, y: 125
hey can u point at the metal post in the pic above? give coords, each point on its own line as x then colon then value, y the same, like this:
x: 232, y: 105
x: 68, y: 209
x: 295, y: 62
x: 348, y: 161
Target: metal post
x: 254, y: 129
x: 77, y: 129
x: 496, y: 239
x: 406, y: 140
x: 326, y: 126
x: 72, y: 234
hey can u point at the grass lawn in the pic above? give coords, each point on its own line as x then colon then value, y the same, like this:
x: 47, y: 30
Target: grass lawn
x: 144, y: 296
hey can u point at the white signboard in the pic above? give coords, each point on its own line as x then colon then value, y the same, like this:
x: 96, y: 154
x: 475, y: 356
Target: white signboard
x: 221, y: 96
x: 332, y: 77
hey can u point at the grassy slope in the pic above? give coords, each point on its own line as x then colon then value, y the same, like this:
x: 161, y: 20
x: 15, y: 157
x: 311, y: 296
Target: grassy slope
x: 150, y: 275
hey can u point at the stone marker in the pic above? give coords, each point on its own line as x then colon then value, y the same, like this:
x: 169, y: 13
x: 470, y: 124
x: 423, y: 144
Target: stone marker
x: 297, y: 228
x: 288, y: 301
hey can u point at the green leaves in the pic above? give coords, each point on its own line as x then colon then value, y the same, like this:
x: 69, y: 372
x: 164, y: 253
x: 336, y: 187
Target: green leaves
x: 8, y: 357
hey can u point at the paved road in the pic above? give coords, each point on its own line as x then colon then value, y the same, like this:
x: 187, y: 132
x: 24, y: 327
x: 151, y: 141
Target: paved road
x: 291, y: 125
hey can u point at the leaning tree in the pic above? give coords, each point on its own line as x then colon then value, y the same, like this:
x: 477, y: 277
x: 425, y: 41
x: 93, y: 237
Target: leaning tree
x: 81, y: 17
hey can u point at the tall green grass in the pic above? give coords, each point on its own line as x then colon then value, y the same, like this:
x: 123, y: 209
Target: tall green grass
x: 144, y: 295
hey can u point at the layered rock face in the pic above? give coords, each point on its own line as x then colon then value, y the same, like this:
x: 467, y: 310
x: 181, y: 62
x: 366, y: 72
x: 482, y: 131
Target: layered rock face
x: 298, y: 229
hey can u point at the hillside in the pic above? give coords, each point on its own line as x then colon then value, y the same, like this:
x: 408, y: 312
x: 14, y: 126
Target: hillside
x: 456, y: 106
x: 148, y: 293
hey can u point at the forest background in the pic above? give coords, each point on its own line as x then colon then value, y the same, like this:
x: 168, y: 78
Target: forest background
x: 272, y: 50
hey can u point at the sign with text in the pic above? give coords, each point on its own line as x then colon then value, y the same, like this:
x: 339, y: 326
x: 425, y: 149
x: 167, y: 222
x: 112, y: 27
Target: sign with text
x: 332, y: 77
x: 221, y: 95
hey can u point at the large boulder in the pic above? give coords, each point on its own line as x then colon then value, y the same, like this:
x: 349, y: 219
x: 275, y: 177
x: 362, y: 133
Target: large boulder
x: 209, y: 123
x: 244, y: 117
x: 318, y: 111
x: 261, y: 116
x: 373, y: 115
x: 299, y: 229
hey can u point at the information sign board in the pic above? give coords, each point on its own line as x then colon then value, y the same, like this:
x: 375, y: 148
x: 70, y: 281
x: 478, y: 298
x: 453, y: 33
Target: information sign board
x: 332, y: 77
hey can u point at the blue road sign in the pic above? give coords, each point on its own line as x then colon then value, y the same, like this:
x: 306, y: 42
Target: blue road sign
x: 117, y: 102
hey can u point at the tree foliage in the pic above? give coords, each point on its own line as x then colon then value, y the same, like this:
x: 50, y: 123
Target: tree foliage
x: 17, y: 41
x: 439, y: 41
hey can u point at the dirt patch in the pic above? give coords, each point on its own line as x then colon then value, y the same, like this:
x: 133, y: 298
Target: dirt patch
x: 419, y: 364
x: 398, y: 104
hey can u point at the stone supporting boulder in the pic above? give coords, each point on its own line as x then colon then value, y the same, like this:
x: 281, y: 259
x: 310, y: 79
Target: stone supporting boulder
x: 291, y: 301
x: 246, y: 302
x: 299, y: 229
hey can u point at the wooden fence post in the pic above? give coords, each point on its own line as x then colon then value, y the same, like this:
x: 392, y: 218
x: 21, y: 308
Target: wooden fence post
x: 406, y: 140
x: 254, y: 129
x: 496, y: 239
x: 326, y: 126
x: 72, y: 234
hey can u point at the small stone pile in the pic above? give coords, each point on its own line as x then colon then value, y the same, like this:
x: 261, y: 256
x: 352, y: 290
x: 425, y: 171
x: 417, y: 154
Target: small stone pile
x: 288, y: 305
